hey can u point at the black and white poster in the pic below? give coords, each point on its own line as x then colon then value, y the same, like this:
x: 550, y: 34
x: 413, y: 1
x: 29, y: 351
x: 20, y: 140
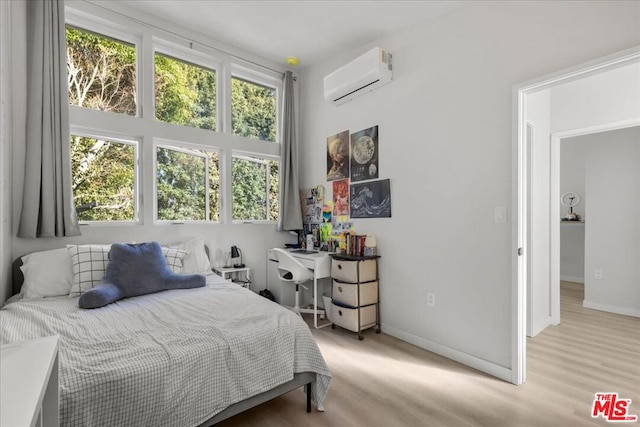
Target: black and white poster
x: 364, y: 154
x: 371, y: 199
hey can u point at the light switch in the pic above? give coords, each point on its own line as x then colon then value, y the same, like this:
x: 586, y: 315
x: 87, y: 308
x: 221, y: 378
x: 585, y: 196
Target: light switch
x: 500, y: 215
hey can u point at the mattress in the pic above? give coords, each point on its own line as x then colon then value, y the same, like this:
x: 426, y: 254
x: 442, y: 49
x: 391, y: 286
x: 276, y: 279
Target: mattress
x: 174, y: 358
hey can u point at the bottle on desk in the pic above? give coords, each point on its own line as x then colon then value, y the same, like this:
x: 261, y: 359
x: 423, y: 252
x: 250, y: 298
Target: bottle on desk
x: 309, y: 241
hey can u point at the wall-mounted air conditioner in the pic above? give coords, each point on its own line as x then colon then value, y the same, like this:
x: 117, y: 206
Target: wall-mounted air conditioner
x: 362, y: 75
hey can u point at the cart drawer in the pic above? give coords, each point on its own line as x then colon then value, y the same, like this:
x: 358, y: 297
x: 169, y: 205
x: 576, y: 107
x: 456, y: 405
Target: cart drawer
x: 346, y: 317
x: 347, y: 271
x: 347, y: 293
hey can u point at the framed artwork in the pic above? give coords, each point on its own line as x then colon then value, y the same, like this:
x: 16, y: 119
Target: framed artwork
x: 364, y: 154
x: 341, y: 197
x: 371, y: 199
x: 338, y: 156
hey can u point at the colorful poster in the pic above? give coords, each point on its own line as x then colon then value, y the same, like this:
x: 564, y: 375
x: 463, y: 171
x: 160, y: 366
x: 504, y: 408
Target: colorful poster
x: 338, y: 156
x: 341, y: 197
x: 364, y: 154
x: 327, y: 210
x: 371, y: 199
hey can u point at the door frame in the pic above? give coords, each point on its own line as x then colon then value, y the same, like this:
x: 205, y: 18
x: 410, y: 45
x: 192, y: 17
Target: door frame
x: 520, y: 194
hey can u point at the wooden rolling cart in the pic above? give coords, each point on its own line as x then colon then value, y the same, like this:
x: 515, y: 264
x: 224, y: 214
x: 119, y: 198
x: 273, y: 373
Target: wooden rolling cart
x: 355, y: 300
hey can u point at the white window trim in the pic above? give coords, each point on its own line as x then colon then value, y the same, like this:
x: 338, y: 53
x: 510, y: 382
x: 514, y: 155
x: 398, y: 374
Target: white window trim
x: 185, y: 147
x: 197, y: 58
x: 253, y: 75
x: 257, y: 158
x: 94, y: 24
x: 109, y: 136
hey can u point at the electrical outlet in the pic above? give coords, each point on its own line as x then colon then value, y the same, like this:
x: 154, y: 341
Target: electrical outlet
x: 597, y: 274
x: 431, y: 299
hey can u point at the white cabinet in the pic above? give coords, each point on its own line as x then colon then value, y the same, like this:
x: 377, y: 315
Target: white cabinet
x: 355, y: 302
x: 29, y: 386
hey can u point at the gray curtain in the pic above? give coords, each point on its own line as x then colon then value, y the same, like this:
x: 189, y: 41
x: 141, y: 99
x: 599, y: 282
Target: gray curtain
x: 290, y: 213
x: 47, y: 205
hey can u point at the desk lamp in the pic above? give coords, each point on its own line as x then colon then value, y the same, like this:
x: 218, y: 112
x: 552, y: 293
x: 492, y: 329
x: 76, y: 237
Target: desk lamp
x: 235, y: 254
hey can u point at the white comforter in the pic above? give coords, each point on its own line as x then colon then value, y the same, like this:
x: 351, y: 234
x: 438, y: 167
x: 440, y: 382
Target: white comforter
x: 173, y: 358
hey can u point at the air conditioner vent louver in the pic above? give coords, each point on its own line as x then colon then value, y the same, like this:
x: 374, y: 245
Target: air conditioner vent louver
x: 362, y: 75
x: 354, y: 91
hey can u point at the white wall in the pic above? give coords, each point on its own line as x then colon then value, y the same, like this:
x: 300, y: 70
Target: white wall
x: 572, y: 176
x: 612, y: 241
x: 446, y: 143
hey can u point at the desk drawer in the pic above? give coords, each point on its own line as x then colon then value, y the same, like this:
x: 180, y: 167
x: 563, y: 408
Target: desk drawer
x: 347, y: 293
x: 347, y: 271
x: 346, y: 317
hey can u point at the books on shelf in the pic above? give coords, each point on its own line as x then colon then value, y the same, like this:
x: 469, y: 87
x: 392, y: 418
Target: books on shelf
x: 355, y: 244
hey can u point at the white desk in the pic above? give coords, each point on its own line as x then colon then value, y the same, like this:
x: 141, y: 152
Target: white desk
x: 320, y: 263
x: 29, y: 387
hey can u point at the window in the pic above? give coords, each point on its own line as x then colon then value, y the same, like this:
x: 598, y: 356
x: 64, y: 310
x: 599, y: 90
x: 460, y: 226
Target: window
x: 187, y: 184
x: 255, y: 189
x: 149, y: 115
x: 104, y: 178
x: 253, y: 110
x: 185, y: 94
x: 101, y: 72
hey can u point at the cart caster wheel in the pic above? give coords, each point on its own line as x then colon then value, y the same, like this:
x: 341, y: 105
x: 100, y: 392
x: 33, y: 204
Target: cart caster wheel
x: 377, y: 330
x: 333, y: 326
x: 360, y: 337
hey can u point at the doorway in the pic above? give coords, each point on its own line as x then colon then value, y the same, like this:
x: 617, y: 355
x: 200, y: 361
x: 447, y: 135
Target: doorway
x: 523, y: 265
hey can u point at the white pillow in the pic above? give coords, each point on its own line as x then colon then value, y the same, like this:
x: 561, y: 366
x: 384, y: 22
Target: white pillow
x: 89, y: 264
x: 197, y: 260
x: 174, y: 258
x: 47, y: 274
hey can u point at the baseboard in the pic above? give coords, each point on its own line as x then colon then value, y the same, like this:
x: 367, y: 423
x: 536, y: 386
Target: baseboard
x: 572, y: 279
x: 626, y: 311
x: 466, y: 359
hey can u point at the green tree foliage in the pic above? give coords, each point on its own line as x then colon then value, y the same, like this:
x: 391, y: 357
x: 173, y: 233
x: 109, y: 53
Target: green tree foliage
x: 274, y: 190
x: 102, y: 171
x: 181, y: 185
x: 253, y: 110
x: 249, y: 189
x: 185, y: 93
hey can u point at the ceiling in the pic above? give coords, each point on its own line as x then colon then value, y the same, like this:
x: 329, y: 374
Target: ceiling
x: 307, y: 29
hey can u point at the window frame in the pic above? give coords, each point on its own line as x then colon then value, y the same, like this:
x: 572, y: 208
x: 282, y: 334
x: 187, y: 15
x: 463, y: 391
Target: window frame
x: 135, y: 142
x: 251, y: 75
x: 186, y: 147
x: 258, y: 158
x: 106, y: 28
x: 193, y: 57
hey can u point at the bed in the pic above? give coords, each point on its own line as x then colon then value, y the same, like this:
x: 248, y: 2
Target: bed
x: 187, y: 357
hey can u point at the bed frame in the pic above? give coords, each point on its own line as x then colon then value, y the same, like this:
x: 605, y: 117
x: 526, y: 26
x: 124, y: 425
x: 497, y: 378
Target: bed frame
x: 304, y: 379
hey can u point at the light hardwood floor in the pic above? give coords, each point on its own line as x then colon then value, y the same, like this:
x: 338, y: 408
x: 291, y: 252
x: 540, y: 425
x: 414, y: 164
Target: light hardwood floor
x: 383, y: 381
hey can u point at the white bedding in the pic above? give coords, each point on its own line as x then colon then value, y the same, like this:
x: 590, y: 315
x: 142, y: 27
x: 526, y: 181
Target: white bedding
x: 174, y: 358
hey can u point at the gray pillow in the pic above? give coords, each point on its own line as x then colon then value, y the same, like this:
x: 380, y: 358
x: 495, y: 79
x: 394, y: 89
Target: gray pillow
x: 136, y: 269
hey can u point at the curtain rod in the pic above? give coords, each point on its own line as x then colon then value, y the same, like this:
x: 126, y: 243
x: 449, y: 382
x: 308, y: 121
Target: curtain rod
x: 180, y: 36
